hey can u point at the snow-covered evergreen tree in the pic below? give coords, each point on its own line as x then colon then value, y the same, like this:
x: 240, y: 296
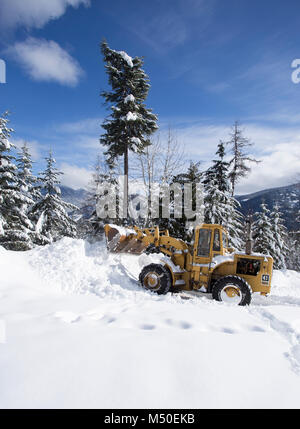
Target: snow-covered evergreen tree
x: 180, y: 227
x: 280, y: 235
x: 130, y: 123
x: 27, y: 182
x: 293, y: 255
x: 51, y: 212
x: 216, y: 201
x: 15, y: 226
x: 220, y: 206
x: 263, y: 237
x: 92, y: 227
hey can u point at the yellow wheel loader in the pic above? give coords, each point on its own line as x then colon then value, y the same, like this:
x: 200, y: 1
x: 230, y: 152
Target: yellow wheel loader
x: 207, y: 265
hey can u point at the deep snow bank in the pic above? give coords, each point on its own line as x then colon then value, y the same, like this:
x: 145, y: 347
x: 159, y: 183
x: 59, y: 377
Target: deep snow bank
x: 82, y: 333
x: 75, y: 266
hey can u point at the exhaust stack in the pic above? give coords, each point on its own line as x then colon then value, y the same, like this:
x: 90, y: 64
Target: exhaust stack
x: 249, y: 242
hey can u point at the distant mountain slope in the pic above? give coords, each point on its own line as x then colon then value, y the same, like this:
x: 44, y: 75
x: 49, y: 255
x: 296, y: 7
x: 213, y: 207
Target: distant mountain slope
x: 74, y: 196
x: 288, y: 198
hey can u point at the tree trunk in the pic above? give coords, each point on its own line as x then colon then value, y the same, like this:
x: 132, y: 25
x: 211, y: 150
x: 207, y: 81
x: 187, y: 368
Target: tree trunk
x: 125, y: 196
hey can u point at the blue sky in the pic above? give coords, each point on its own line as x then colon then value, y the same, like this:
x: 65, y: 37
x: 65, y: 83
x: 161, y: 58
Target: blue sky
x: 210, y: 62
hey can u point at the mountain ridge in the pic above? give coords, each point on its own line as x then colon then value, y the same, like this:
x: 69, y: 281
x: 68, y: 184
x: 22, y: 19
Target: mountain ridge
x: 288, y: 198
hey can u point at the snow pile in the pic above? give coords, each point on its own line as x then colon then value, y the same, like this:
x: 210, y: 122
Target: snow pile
x: 126, y: 58
x: 75, y: 266
x: 81, y: 332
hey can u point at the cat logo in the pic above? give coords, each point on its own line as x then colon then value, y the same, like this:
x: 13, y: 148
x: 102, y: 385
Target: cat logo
x: 265, y: 278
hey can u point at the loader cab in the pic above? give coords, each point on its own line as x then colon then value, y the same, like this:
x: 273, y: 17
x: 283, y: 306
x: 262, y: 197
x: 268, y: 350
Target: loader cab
x: 210, y: 241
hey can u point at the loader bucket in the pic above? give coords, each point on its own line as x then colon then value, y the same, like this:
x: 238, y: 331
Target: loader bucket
x: 122, y: 240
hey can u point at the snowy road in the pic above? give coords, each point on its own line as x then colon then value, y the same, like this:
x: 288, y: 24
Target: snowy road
x: 81, y: 333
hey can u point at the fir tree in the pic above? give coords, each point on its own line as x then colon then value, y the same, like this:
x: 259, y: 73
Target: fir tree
x: 240, y: 159
x: 93, y: 226
x: 130, y: 123
x: 181, y: 227
x: 262, y: 232
x: 293, y: 255
x: 220, y: 206
x: 15, y: 228
x: 27, y: 182
x: 216, y: 201
x: 221, y: 169
x: 279, y: 231
x: 51, y: 212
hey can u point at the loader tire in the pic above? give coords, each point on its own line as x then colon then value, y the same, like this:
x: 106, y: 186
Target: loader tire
x: 157, y: 278
x: 232, y: 289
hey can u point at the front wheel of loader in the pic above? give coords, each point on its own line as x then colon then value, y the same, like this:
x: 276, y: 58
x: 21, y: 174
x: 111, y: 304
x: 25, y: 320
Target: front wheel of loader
x: 157, y: 278
x: 232, y: 289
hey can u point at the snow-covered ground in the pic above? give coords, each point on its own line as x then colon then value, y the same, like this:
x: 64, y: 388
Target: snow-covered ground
x: 80, y: 332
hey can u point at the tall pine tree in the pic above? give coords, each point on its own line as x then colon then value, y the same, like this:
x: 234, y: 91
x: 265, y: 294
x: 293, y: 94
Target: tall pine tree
x: 130, y: 123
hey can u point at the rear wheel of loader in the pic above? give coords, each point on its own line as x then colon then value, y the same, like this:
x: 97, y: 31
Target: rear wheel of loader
x: 232, y: 289
x: 157, y: 278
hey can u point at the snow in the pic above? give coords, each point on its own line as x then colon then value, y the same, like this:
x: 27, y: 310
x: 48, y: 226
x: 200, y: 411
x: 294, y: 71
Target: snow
x: 40, y: 223
x: 81, y: 333
x: 122, y: 230
x: 175, y: 268
x: 130, y: 117
x: 219, y: 259
x: 135, y: 140
x: 126, y: 58
x: 129, y: 98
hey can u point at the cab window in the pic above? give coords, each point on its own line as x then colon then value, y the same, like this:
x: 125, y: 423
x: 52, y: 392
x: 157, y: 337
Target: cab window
x: 204, y: 243
x: 217, y: 242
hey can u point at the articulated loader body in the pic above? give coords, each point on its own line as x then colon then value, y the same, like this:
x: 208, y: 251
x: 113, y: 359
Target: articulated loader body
x: 207, y: 265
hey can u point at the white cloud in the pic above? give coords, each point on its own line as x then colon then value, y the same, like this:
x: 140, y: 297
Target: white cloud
x: 33, y: 146
x: 88, y: 126
x: 277, y: 148
x: 75, y: 177
x: 33, y: 13
x: 278, y: 168
x: 45, y: 60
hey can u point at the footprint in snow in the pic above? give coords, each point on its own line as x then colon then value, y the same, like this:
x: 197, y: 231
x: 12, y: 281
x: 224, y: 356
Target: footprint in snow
x: 228, y: 331
x: 179, y: 324
x: 108, y: 319
x: 148, y: 327
x: 257, y: 329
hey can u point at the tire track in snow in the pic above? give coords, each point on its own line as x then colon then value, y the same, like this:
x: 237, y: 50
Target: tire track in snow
x: 286, y: 331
